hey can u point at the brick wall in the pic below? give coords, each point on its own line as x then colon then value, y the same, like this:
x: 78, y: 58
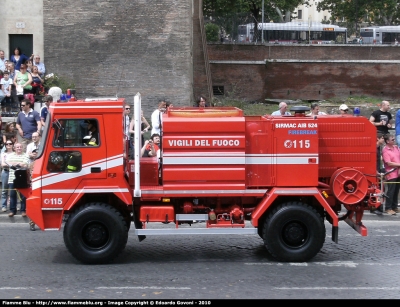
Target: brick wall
x: 306, y: 72
x: 115, y: 47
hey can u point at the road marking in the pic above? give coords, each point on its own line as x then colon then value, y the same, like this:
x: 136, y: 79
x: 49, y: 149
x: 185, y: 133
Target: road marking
x: 337, y: 288
x: 141, y: 288
x: 347, y: 264
x: 15, y: 288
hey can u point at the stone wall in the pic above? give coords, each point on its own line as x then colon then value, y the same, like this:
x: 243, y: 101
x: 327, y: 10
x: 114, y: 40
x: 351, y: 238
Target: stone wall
x: 309, y: 72
x: 115, y: 47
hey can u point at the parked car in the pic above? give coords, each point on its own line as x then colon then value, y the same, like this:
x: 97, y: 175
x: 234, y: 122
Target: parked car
x: 354, y: 41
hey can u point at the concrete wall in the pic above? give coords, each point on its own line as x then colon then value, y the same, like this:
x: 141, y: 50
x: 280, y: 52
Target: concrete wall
x: 116, y: 47
x: 28, y: 12
x: 309, y: 72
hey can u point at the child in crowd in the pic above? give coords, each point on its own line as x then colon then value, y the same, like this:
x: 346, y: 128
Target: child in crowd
x: 6, y: 83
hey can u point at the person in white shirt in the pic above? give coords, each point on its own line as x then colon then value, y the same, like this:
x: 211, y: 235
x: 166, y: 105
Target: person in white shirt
x: 2, y: 61
x: 343, y: 109
x: 156, y: 118
x: 6, y: 83
x: 127, y: 120
x: 315, y: 110
x: 40, y: 65
x: 282, y: 110
x: 32, y: 148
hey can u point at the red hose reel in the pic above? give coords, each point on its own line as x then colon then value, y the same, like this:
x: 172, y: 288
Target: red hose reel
x: 349, y: 185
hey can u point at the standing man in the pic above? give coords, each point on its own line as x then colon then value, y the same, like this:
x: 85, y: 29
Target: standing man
x: 32, y: 148
x: 156, y: 118
x: 32, y: 151
x: 45, y: 109
x: 40, y: 65
x: 380, y: 140
x: 12, y: 70
x: 398, y: 127
x: 391, y: 159
x: 16, y: 159
x: 282, y: 110
x: 127, y: 122
x: 382, y: 118
x: 28, y: 122
x: 2, y: 61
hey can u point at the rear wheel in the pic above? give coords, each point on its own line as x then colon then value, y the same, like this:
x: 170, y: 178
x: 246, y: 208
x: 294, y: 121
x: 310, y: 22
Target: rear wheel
x: 294, y: 232
x: 95, y: 233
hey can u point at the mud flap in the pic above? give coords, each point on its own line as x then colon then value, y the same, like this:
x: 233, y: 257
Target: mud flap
x: 335, y: 234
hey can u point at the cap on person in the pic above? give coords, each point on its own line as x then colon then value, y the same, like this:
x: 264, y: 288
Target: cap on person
x: 343, y: 107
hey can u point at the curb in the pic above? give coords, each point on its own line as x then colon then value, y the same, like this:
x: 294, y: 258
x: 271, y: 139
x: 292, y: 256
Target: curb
x: 4, y: 218
x: 368, y: 216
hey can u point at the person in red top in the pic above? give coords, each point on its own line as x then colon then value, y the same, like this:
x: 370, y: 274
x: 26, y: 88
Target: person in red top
x: 151, y: 147
x: 391, y: 159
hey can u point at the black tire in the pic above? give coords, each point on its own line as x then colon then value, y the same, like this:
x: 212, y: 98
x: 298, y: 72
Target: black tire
x: 95, y: 233
x: 294, y: 232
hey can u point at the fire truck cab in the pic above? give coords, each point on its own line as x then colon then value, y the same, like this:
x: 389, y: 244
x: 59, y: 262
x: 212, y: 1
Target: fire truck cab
x: 276, y: 177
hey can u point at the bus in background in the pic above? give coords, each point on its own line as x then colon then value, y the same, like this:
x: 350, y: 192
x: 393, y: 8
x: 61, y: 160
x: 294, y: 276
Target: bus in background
x: 371, y: 35
x: 245, y: 33
x: 297, y: 32
x: 302, y: 32
x: 381, y: 35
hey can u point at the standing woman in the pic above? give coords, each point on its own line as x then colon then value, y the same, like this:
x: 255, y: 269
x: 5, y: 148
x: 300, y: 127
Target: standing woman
x: 145, y: 126
x: 37, y: 81
x: 29, y: 65
x: 4, y: 174
x: 18, y: 58
x: 23, y: 81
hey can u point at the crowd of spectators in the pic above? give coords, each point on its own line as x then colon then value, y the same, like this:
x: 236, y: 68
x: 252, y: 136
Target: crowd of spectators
x: 21, y: 140
x: 21, y: 81
x: 20, y: 77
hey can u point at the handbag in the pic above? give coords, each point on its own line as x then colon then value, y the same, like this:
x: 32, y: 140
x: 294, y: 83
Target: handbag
x: 20, y: 90
x: 30, y: 97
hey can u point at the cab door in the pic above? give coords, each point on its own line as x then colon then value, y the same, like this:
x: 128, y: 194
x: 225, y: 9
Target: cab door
x: 73, y: 159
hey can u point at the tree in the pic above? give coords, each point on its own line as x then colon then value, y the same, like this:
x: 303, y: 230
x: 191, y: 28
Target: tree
x: 223, y: 12
x: 212, y: 32
x: 379, y: 12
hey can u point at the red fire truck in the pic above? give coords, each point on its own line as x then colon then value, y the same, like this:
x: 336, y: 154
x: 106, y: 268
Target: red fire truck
x: 278, y: 177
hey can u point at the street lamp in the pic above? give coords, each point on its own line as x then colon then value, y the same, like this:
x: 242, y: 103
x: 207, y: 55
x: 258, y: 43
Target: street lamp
x: 309, y: 29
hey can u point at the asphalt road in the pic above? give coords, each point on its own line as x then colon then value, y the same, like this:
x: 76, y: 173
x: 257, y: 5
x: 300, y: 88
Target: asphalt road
x: 37, y: 265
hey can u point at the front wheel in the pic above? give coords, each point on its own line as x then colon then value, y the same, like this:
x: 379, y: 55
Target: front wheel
x: 95, y: 233
x: 294, y: 232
